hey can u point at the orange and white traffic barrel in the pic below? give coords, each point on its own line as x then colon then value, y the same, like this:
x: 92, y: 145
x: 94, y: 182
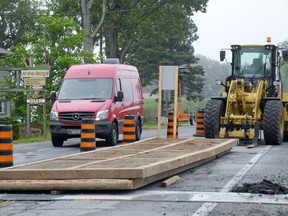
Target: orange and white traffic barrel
x: 88, y: 135
x: 129, y: 129
x: 200, y: 123
x: 6, y: 146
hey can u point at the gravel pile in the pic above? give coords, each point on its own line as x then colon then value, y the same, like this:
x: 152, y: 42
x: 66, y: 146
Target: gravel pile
x: 264, y: 187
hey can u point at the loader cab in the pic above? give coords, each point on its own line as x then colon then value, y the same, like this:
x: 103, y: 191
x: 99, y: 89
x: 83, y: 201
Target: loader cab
x: 255, y: 62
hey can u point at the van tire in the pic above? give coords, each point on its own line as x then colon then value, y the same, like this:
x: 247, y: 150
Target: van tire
x: 112, y: 137
x: 138, y: 130
x: 57, y: 141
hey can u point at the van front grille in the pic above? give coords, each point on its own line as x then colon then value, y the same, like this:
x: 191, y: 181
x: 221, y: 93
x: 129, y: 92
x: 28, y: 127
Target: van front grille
x: 76, y: 116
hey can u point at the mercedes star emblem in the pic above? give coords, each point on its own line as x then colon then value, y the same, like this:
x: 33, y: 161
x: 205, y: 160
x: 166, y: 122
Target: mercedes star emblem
x: 75, y: 116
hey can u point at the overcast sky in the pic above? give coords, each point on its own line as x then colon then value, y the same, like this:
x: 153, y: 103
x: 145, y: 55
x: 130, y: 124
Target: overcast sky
x: 229, y: 22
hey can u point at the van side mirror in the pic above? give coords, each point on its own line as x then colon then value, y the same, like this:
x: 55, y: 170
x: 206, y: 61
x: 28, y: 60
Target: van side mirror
x: 119, y: 97
x: 285, y: 55
x: 53, y: 96
x: 222, y: 55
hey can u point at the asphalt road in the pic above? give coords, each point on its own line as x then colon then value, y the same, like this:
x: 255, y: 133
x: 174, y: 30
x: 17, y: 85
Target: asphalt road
x: 204, y: 190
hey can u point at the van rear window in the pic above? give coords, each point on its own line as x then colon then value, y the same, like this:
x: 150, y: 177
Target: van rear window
x: 85, y: 89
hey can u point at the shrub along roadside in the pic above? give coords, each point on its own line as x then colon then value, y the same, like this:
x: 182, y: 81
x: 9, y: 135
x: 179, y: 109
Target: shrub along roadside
x: 15, y: 126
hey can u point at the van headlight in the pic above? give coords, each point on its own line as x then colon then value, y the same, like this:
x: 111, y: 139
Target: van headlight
x: 54, y: 116
x: 102, y: 115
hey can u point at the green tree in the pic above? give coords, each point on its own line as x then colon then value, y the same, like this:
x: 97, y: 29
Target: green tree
x: 16, y: 17
x: 193, y: 83
x: 132, y: 21
x: 144, y: 33
x: 214, y: 70
x: 55, y: 40
x: 122, y: 22
x: 168, y: 43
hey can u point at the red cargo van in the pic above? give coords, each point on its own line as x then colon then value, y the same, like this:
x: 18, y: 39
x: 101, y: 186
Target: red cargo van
x: 104, y: 92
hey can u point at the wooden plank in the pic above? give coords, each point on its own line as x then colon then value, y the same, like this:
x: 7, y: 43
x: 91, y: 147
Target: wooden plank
x: 96, y: 184
x: 166, y: 165
x: 73, y: 184
x: 72, y: 156
x: 138, y: 183
x: 129, y: 155
x: 170, y: 181
x: 91, y: 184
x: 96, y: 156
x: 133, y: 166
x: 64, y: 174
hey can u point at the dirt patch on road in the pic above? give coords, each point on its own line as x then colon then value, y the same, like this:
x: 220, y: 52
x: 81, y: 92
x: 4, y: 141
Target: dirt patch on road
x: 264, y: 187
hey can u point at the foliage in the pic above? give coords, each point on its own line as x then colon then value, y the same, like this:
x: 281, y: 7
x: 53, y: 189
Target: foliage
x: 61, y: 41
x: 123, y: 22
x: 193, y: 84
x: 168, y: 43
x: 214, y: 70
x: 163, y: 43
x: 151, y: 108
x: 16, y: 17
x: 141, y: 33
x: 15, y: 126
x: 132, y: 22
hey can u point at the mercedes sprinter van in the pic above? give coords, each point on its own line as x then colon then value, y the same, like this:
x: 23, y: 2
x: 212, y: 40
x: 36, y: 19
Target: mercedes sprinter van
x: 103, y: 92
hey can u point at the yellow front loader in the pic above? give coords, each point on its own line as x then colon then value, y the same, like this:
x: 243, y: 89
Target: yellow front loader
x: 253, y: 100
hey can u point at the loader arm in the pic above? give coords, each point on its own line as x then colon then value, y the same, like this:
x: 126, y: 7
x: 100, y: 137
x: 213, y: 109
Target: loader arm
x: 242, y: 109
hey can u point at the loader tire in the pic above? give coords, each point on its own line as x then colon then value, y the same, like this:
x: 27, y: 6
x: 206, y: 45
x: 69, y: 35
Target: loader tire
x: 213, y: 111
x: 273, y: 122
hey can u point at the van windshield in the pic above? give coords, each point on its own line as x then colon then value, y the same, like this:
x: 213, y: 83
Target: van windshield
x: 81, y: 89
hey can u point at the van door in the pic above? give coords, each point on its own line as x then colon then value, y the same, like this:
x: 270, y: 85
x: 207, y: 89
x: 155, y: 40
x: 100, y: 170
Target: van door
x: 128, y: 96
x: 119, y: 108
x: 137, y: 95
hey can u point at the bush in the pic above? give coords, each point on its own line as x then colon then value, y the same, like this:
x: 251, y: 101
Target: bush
x: 15, y: 126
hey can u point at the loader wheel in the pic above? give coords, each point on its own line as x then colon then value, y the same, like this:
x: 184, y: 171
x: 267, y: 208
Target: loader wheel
x: 273, y: 123
x: 213, y: 111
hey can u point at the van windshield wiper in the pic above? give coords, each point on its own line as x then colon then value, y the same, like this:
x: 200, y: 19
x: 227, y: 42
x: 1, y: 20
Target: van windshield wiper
x: 94, y: 99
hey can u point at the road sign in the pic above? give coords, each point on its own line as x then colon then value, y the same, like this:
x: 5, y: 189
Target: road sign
x: 36, y: 101
x: 34, y: 82
x: 34, y: 73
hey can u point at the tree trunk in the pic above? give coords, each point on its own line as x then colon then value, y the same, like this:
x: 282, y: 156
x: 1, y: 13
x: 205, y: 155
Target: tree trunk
x: 88, y: 44
x: 86, y: 6
x: 125, y: 49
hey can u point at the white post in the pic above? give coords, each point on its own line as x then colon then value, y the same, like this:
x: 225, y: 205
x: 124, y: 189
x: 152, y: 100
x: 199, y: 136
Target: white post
x: 175, y: 102
x: 159, y: 102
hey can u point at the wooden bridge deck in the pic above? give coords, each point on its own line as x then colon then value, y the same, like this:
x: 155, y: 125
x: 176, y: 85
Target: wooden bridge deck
x: 123, y: 167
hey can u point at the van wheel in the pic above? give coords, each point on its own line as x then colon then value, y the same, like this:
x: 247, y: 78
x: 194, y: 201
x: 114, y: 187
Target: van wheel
x: 57, y: 141
x: 112, y: 138
x: 138, y: 129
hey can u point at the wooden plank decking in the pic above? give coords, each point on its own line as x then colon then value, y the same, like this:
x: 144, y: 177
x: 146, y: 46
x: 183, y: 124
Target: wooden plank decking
x: 124, y: 167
